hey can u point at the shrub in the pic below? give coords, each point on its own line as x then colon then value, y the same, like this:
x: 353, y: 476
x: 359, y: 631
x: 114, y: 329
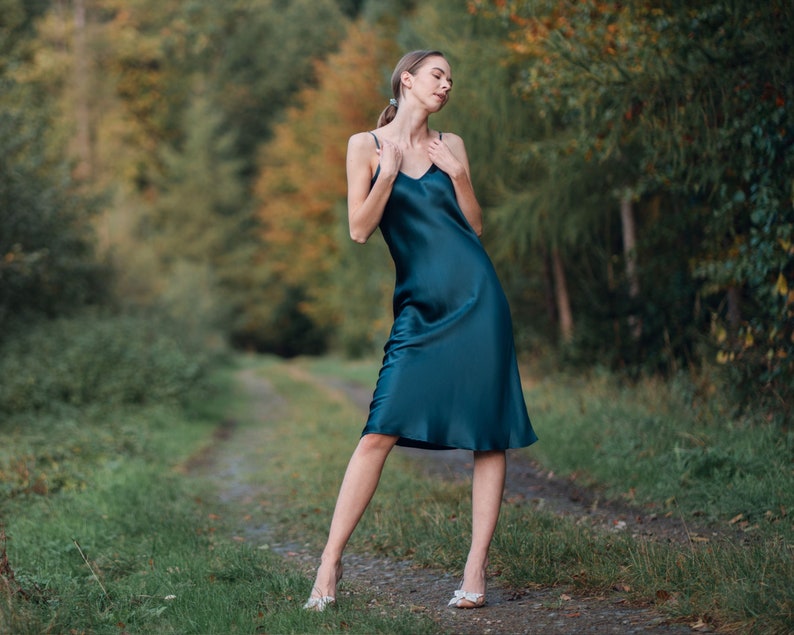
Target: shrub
x: 95, y: 360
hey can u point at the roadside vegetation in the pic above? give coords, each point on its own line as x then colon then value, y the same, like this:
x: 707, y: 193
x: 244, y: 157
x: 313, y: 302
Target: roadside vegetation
x: 105, y: 529
x: 102, y: 527
x: 654, y: 445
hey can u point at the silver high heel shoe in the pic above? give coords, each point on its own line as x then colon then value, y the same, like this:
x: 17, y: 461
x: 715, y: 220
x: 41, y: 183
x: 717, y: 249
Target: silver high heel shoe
x: 319, y: 604
x: 475, y: 600
x: 322, y: 602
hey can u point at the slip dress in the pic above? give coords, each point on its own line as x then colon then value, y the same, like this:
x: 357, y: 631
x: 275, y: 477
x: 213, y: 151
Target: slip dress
x: 449, y: 377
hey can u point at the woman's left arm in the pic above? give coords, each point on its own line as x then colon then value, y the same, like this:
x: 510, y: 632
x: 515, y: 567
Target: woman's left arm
x: 449, y: 154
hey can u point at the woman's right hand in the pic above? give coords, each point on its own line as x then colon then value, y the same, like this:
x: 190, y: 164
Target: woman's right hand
x: 390, y: 158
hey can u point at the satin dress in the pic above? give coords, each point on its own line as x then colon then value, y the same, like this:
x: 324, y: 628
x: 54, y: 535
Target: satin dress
x: 449, y: 377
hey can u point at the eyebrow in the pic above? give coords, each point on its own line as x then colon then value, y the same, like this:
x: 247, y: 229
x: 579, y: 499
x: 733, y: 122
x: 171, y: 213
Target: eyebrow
x: 436, y: 68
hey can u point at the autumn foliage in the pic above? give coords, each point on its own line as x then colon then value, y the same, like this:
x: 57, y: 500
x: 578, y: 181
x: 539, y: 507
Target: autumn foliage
x: 302, y: 186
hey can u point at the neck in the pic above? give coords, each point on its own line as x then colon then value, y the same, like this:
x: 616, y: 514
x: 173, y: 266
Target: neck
x: 410, y: 127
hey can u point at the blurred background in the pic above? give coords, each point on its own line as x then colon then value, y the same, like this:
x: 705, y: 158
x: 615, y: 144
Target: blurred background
x: 172, y: 183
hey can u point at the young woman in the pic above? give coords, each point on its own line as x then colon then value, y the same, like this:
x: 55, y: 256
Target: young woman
x: 449, y: 377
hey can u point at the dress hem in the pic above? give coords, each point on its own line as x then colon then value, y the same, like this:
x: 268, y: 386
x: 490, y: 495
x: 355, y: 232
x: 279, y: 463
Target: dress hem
x: 421, y: 444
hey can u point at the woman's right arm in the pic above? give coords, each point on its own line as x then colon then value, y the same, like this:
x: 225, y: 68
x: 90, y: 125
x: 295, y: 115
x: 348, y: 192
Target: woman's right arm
x: 365, y: 205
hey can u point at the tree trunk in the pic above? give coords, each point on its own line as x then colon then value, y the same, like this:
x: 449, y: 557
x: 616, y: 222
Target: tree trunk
x: 548, y: 287
x: 734, y: 310
x: 85, y: 165
x: 630, y: 252
x: 561, y: 294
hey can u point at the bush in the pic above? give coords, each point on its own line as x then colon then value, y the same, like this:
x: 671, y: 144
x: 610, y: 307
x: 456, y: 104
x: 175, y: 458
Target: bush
x: 95, y: 360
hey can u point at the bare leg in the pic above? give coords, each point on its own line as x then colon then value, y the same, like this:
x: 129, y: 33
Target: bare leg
x: 486, y: 497
x: 361, y: 479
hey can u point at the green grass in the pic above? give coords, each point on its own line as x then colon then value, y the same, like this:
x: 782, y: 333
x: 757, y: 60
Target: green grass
x: 651, y: 443
x: 647, y: 443
x: 111, y: 480
x: 663, y: 444
x: 159, y: 550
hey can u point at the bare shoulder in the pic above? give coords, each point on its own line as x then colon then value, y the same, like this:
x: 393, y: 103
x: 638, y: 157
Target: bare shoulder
x: 455, y: 142
x: 456, y: 146
x: 361, y: 141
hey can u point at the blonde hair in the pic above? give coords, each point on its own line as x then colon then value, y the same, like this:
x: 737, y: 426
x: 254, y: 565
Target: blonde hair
x: 409, y: 62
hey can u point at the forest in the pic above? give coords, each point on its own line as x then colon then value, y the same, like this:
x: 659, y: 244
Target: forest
x: 183, y: 162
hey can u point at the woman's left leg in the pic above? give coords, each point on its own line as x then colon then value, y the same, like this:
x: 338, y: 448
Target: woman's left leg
x: 486, y: 498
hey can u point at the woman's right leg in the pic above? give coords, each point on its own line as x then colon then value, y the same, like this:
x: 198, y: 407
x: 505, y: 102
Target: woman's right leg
x: 359, y: 484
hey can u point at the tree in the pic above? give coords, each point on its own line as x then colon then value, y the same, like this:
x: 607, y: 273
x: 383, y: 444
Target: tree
x: 264, y: 52
x: 312, y: 272
x: 47, y: 262
x: 698, y: 101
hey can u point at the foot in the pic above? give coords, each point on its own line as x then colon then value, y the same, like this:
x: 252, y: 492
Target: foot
x: 471, y: 594
x: 324, y: 590
x: 319, y: 604
x: 467, y: 600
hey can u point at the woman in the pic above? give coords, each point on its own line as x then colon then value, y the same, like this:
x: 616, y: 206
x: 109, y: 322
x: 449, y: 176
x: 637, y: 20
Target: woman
x: 449, y: 377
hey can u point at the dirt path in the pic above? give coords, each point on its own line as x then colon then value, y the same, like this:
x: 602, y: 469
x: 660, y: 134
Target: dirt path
x: 399, y: 583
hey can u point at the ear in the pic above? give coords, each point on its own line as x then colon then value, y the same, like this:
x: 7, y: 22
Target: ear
x: 406, y: 79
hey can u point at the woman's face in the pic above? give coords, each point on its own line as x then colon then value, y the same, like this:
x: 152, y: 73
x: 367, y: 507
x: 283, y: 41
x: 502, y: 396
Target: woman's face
x: 431, y: 83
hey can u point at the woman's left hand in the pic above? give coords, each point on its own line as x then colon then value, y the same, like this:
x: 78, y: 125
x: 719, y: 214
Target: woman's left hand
x: 442, y: 156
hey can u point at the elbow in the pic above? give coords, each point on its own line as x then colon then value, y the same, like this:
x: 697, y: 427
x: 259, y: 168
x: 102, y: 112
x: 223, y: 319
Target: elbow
x: 358, y: 237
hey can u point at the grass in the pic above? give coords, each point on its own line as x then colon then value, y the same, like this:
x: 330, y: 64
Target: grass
x: 172, y: 558
x: 108, y: 533
x: 663, y: 444
x: 650, y: 443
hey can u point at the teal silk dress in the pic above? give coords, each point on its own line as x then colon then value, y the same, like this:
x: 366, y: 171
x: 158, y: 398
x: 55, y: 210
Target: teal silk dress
x: 449, y: 377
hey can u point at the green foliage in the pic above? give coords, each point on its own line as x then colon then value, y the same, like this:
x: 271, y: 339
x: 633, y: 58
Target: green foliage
x: 320, y: 288
x: 16, y: 22
x: 178, y: 97
x: 266, y: 51
x: 90, y: 360
x: 692, y: 105
x: 47, y: 262
x: 201, y: 208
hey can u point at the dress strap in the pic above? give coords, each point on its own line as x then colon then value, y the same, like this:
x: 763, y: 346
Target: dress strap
x: 377, y: 143
x: 440, y: 135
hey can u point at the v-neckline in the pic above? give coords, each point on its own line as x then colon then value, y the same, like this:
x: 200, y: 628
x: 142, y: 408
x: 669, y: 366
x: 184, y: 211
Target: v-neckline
x: 421, y: 176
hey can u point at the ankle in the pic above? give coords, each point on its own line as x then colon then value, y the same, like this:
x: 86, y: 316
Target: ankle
x: 330, y: 559
x: 474, y: 563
